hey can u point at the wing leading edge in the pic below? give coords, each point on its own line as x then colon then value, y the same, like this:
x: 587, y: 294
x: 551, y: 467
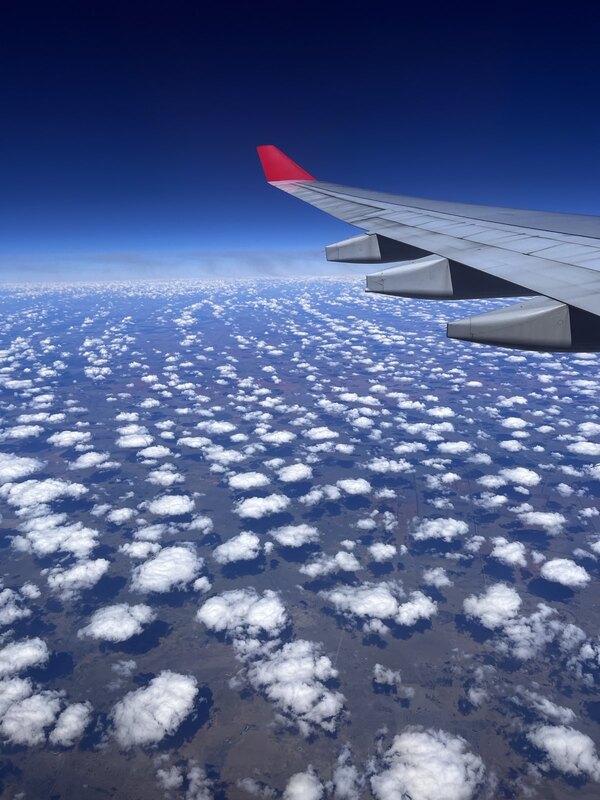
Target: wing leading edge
x: 455, y: 251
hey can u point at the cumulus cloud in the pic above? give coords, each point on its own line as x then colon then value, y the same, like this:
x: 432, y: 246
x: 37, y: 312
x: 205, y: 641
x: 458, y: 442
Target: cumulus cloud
x: 436, y: 576
x: 71, y: 724
x: 171, y: 505
x: 171, y: 568
x: 295, y: 535
x: 49, y: 533
x: 69, y: 581
x: 118, y: 623
x: 383, y: 465
x: 244, y: 547
x: 294, y: 679
x: 383, y: 676
x: 13, y: 467
x: 245, y: 481
x: 511, y: 553
x: 294, y: 473
x: 438, y: 528
x: 18, y: 656
x: 521, y: 476
x: 91, y: 459
x: 327, y: 565
x: 550, y: 521
x: 145, y: 716
x: 278, y: 437
x: 243, y: 612
x: 455, y: 448
x: 32, y: 493
x: 258, y: 507
x: 567, y: 750
x: 69, y: 438
x: 566, y: 572
x: 375, y: 602
x: 354, y: 486
x: 304, y: 786
x: 381, y: 552
x: 320, y: 434
x: 418, y: 606
x: 25, y: 715
x: 428, y: 765
x: 498, y: 604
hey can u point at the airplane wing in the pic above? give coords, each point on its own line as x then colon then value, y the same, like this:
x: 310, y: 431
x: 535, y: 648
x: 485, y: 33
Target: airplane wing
x: 447, y: 250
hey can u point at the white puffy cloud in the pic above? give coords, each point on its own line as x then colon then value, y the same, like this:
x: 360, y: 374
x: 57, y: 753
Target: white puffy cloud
x: 327, y: 565
x: 381, y: 552
x: 21, y: 432
x: 245, y: 481
x: 440, y: 412
x: 438, y: 528
x: 145, y: 716
x: 69, y: 438
x: 140, y: 550
x: 545, y: 707
x: 28, y: 494
x: 92, y: 459
x: 13, y: 467
x: 551, y: 521
x: 319, y: 493
x: 375, y: 602
x: 278, y: 437
x: 11, y: 607
x: 118, y: 623
x: 369, y: 601
x: 71, y: 724
x: 294, y: 473
x: 585, y: 448
x: 243, y: 547
x: 155, y: 451
x: 215, y: 427
x: 354, y: 486
x: 171, y: 568
x: 48, y: 534
x: 25, y: 715
x: 566, y: 572
x: 511, y: 553
x: 418, y: 606
x: 521, y: 476
x: 497, y: 605
x: 348, y: 783
x: 243, y: 612
x: 295, y: 535
x: 18, y: 656
x: 567, y: 750
x: 135, y: 440
x: 171, y: 505
x: 69, y: 581
x: 383, y: 465
x: 258, y: 507
x: 393, y: 678
x: 120, y: 515
x: 428, y: 765
x: 514, y: 423
x: 294, y: 679
x: 320, y: 434
x: 436, y: 576
x: 304, y: 786
x: 455, y: 448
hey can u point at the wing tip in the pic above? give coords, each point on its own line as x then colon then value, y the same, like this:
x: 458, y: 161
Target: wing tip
x: 279, y: 167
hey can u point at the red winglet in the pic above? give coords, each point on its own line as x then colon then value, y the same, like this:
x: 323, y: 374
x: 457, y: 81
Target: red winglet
x: 278, y: 167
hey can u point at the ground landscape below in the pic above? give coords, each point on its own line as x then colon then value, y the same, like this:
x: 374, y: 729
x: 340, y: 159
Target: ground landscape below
x: 279, y: 538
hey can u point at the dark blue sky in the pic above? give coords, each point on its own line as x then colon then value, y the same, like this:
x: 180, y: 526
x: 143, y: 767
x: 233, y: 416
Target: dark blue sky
x: 129, y: 128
